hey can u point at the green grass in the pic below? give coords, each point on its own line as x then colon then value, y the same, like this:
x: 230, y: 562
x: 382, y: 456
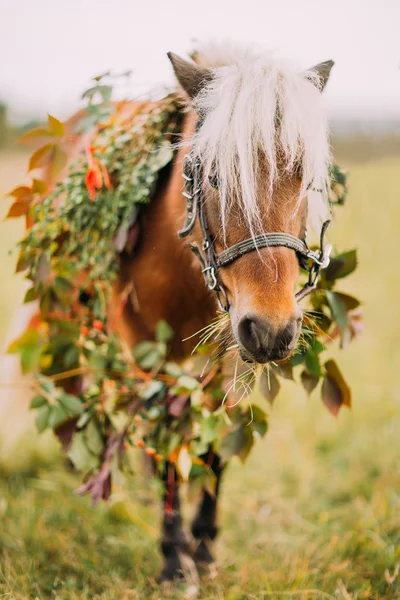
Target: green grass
x: 315, y: 513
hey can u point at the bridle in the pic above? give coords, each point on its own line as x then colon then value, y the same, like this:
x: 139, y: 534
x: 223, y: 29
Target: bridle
x: 211, y: 262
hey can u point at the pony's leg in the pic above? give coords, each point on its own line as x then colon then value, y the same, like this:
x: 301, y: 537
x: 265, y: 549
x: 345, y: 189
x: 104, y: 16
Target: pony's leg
x: 174, y: 544
x: 204, y: 526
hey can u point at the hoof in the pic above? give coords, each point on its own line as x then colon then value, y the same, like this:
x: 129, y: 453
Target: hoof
x: 181, y: 567
x: 204, y: 560
x: 170, y: 574
x: 202, y: 554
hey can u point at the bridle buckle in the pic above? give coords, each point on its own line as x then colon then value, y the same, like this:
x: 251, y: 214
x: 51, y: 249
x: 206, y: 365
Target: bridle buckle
x: 210, y: 277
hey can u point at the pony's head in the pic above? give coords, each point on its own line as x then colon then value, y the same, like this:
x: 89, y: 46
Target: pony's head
x: 263, y: 144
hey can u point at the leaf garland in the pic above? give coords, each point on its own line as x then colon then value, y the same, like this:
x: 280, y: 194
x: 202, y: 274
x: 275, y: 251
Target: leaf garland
x: 98, y: 397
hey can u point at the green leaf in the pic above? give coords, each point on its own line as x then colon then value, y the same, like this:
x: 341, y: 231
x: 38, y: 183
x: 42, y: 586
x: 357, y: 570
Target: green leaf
x: 58, y: 414
x: 312, y: 363
x: 259, y: 420
x: 80, y: 454
x: 248, y: 441
x: 142, y: 349
x: 46, y: 385
x: 30, y: 337
x: 316, y: 345
x: 83, y: 419
x: 71, y: 357
x: 42, y: 418
x: 269, y: 385
x: 164, y: 333
x: 153, y: 387
x: 151, y: 360
x: 30, y: 295
x: 71, y: 403
x: 104, y: 91
x: 349, y: 301
x: 208, y: 430
x: 172, y: 369
x: 298, y: 358
x: 148, y: 355
x: 30, y: 359
x: 338, y: 309
x: 94, y: 439
x: 341, y: 265
x: 187, y: 383
x: 231, y: 443
x: 38, y: 401
x: 29, y: 346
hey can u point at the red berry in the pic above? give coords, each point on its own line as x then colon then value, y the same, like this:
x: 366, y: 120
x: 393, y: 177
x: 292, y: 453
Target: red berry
x: 98, y: 325
x: 140, y: 443
x: 84, y: 331
x: 150, y: 451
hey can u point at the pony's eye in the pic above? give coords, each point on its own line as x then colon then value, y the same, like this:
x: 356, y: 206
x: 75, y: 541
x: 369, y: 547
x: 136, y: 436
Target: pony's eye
x: 213, y: 179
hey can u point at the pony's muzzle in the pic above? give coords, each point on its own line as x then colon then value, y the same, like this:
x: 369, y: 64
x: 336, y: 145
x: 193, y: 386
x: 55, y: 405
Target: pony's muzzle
x: 261, y: 342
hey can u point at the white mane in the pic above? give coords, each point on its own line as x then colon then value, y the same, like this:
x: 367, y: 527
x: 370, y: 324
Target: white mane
x: 258, y: 103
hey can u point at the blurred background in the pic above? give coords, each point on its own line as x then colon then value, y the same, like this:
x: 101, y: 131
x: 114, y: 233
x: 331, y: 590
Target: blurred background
x: 315, y: 513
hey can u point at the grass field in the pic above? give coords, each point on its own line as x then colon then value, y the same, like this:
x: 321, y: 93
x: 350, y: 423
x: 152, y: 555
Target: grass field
x: 315, y: 513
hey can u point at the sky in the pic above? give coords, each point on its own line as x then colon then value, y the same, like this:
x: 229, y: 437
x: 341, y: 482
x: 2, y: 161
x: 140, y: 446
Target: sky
x: 49, y: 49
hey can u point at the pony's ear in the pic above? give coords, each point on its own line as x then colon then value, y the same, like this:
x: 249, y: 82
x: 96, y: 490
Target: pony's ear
x: 191, y: 77
x: 323, y: 71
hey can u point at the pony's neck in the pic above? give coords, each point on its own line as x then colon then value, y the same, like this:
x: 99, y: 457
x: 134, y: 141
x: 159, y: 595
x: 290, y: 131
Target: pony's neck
x: 162, y: 279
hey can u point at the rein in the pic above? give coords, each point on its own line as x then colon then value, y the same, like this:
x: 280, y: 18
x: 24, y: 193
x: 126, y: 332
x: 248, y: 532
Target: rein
x: 211, y: 261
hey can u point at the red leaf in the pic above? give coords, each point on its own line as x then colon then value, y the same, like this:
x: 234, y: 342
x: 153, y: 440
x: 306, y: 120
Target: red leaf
x: 19, y: 208
x: 334, y: 372
x: 335, y: 390
x: 177, y: 405
x: 35, y: 321
x: 20, y: 192
x: 331, y: 395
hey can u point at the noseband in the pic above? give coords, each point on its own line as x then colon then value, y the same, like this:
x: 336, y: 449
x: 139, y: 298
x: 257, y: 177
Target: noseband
x: 211, y: 261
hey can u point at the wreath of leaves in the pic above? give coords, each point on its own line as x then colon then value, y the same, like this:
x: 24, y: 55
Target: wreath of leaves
x: 98, y: 396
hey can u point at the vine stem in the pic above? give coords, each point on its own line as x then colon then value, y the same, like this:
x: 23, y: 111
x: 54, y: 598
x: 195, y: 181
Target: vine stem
x: 209, y: 376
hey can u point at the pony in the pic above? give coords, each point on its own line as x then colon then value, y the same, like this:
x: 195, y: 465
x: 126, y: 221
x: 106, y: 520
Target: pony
x: 259, y: 129
x: 255, y: 132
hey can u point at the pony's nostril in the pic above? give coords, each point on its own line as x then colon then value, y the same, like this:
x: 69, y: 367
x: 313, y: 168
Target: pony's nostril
x: 262, y: 343
x: 253, y: 334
